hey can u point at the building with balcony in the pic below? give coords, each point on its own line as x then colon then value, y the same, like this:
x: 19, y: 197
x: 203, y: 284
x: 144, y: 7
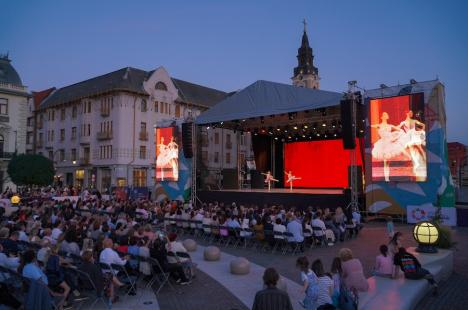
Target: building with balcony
x: 100, y: 132
x: 14, y: 112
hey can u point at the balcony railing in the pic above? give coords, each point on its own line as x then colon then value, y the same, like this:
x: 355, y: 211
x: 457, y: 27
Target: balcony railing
x: 104, y: 135
x: 105, y: 112
x: 143, y: 135
x: 6, y: 155
x: 39, y: 144
x: 84, y: 161
x: 229, y: 145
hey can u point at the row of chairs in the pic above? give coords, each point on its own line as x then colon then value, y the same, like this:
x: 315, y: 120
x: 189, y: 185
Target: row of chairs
x: 246, y: 237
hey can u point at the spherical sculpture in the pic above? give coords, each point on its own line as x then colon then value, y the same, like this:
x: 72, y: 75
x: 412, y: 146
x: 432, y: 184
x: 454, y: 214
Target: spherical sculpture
x: 15, y: 199
x: 240, y: 266
x: 212, y: 253
x: 190, y: 245
x: 427, y: 235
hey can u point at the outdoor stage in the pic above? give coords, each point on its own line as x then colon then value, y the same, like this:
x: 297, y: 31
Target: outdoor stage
x: 301, y: 198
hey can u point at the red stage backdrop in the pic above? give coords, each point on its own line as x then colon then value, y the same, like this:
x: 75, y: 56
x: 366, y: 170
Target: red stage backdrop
x: 167, y: 155
x: 320, y: 164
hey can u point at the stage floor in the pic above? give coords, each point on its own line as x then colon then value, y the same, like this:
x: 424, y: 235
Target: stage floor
x: 302, y: 198
x: 311, y: 191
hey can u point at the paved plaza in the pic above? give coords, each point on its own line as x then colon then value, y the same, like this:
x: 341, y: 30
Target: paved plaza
x: 210, y: 291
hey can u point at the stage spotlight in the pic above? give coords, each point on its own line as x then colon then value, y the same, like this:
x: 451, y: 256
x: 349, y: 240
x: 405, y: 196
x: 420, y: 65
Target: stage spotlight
x: 248, y: 130
x: 318, y: 135
x: 243, y: 120
x: 255, y: 131
x: 303, y: 136
x: 335, y: 135
x: 334, y: 124
x: 278, y: 128
x: 276, y: 138
x: 222, y: 123
x: 263, y: 130
x: 289, y: 137
x: 315, y: 125
x: 305, y: 126
x: 208, y: 127
x: 324, y: 124
x: 262, y: 119
x: 295, y: 127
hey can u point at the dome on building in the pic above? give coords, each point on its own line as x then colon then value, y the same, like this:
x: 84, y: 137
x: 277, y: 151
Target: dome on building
x: 8, y: 74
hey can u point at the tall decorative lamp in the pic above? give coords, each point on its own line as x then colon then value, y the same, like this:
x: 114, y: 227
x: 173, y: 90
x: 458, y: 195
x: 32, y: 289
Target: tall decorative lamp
x: 15, y: 200
x: 427, y: 235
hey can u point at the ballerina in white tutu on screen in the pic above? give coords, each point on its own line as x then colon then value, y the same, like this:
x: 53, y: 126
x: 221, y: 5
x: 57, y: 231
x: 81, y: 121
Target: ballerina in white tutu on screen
x: 389, y: 145
x: 414, y: 139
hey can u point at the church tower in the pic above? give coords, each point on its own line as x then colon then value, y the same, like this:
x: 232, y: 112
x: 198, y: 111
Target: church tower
x: 305, y: 74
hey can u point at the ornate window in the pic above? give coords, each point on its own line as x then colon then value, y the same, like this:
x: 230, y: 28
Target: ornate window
x: 160, y: 86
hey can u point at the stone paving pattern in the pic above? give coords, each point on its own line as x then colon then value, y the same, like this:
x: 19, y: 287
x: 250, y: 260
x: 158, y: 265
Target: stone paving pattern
x: 206, y: 293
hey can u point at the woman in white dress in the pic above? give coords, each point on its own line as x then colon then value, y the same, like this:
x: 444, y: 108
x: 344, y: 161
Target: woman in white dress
x: 162, y: 157
x: 389, y: 145
x: 414, y: 139
x: 173, y: 156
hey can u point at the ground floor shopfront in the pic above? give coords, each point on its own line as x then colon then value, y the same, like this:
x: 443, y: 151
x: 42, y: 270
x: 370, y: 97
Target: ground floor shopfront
x: 104, y: 178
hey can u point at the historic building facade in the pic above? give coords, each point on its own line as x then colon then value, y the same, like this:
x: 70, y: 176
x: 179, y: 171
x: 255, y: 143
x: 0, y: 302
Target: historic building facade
x: 100, y: 132
x: 14, y: 111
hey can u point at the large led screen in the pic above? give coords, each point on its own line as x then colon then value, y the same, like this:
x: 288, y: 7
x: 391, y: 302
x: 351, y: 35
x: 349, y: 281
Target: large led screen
x: 319, y: 164
x: 398, y: 139
x: 167, y: 154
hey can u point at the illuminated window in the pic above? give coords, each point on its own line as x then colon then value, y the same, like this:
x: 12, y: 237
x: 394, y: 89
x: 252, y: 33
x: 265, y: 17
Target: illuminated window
x: 139, y: 177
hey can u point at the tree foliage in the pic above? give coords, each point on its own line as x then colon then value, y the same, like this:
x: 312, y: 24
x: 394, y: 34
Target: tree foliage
x: 31, y: 169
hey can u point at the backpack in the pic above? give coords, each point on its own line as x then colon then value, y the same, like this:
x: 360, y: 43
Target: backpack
x: 313, y: 288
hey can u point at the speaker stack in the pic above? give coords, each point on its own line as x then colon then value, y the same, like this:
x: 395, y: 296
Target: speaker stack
x: 187, y: 145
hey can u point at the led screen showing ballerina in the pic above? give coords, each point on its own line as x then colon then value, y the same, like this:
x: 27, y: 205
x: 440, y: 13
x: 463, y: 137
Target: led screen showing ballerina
x: 167, y: 154
x: 398, y: 138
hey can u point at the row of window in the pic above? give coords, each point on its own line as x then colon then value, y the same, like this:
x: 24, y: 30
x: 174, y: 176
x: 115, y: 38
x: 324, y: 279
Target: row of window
x: 105, y: 152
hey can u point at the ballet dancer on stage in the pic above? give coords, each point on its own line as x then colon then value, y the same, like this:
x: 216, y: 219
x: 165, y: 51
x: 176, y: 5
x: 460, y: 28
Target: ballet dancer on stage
x: 269, y: 178
x: 290, y: 179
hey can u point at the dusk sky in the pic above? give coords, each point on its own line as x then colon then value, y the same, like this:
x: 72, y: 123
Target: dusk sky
x: 230, y: 44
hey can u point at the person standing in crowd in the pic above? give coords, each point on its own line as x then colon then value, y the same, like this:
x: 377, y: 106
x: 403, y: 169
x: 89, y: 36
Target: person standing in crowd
x: 271, y: 298
x: 336, y: 272
x: 390, y: 227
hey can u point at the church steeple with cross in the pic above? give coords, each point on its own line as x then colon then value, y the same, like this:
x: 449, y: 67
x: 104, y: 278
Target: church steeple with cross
x: 305, y: 74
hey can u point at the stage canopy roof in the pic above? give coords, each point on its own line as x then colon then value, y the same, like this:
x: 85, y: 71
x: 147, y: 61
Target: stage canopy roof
x: 264, y: 98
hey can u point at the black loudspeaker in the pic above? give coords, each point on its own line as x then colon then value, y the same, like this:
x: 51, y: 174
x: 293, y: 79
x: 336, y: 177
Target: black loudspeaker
x: 187, y: 139
x: 257, y: 180
x: 230, y: 179
x: 348, y: 126
x: 358, y: 176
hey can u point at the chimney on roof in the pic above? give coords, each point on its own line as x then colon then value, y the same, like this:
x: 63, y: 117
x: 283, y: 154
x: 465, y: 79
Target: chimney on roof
x: 413, y: 81
x: 127, y: 71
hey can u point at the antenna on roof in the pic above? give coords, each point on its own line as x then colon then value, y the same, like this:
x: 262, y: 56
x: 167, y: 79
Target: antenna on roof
x: 305, y: 24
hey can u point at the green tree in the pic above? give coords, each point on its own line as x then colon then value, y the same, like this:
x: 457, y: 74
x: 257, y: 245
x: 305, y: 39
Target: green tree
x: 31, y: 169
